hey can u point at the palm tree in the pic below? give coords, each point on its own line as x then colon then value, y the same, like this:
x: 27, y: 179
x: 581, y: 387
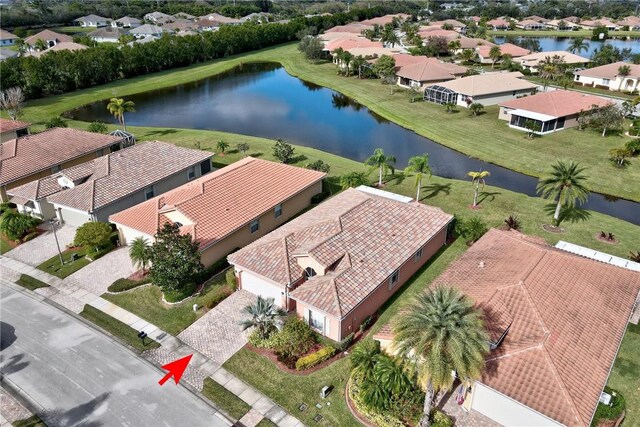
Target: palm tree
x: 118, y: 106
x: 578, y: 45
x: 440, y: 333
x: 420, y: 166
x: 363, y: 357
x: 40, y: 45
x: 468, y: 55
x: 477, y: 179
x: 265, y: 316
x: 383, y: 163
x: 476, y: 108
x: 390, y: 373
x: 566, y: 184
x: 243, y: 146
x: 139, y: 253
x: 221, y: 146
x: 353, y: 179
x: 21, y: 45
x: 495, y: 53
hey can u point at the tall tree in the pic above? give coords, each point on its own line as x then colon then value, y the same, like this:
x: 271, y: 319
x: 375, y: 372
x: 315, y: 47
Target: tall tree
x: 495, y: 53
x: 264, y: 315
x: 419, y: 165
x: 139, y: 253
x: 441, y: 332
x: 477, y: 179
x: 565, y: 184
x: 40, y: 45
x: 382, y: 162
x: 389, y: 36
x: 11, y: 101
x: 118, y: 106
x: 578, y: 45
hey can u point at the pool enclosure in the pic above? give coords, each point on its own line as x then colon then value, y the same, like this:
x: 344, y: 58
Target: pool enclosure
x: 440, y: 95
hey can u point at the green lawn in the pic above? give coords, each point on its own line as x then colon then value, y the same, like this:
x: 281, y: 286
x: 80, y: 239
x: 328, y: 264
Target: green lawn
x: 224, y: 399
x: 118, y: 329
x: 30, y: 283
x: 625, y: 376
x: 266, y: 422
x: 594, y: 90
x: 52, y: 265
x: 73, y: 29
x: 146, y: 302
x: 556, y: 33
x: 484, y: 137
x: 5, y: 246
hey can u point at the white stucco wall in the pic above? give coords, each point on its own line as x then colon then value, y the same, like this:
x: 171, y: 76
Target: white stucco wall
x: 505, y: 410
x: 260, y: 286
x: 493, y: 99
x: 128, y: 235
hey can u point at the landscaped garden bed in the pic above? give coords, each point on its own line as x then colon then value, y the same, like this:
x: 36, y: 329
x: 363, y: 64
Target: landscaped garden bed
x: 73, y: 259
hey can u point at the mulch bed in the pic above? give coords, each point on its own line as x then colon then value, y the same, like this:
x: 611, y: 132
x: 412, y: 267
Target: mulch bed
x: 284, y: 368
x: 552, y: 229
x: 137, y: 276
x: 605, y: 239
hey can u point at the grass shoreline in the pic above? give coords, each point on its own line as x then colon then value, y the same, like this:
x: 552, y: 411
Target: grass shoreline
x: 485, y: 138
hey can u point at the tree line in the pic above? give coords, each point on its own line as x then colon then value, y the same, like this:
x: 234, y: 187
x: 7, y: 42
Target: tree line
x: 64, y: 71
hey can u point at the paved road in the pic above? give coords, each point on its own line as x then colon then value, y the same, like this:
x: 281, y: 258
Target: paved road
x: 80, y: 377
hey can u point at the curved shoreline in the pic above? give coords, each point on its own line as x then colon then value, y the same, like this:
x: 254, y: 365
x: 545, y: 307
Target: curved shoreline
x: 197, y: 72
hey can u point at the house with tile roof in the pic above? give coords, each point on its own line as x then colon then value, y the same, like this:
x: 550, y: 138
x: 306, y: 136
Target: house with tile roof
x: 530, y: 24
x: 549, y: 111
x: 226, y: 209
x: 146, y: 30
x: 93, y: 190
x: 555, y: 321
x: 51, y: 38
x: 7, y: 38
x: 12, y: 129
x: 157, y: 18
x: 334, y: 265
x: 498, y: 24
x: 601, y: 22
x: 107, y: 34
x: 428, y: 71
x: 486, y: 89
x: 92, y: 21
x: 610, y: 76
x: 533, y: 60
x: 70, y: 46
x: 510, y: 49
x: 126, y: 22
x: 31, y: 157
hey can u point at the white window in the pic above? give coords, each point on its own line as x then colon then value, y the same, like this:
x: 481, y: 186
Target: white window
x: 277, y: 211
x: 56, y: 169
x: 316, y: 321
x: 149, y: 192
x: 393, y: 280
x: 191, y: 173
x: 606, y: 81
x: 417, y: 255
x: 254, y: 226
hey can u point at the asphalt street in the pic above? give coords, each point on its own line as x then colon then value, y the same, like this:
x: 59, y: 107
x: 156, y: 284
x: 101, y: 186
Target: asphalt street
x: 80, y: 377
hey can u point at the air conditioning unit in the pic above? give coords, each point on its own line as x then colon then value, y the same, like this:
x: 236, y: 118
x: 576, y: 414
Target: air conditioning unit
x: 605, y: 398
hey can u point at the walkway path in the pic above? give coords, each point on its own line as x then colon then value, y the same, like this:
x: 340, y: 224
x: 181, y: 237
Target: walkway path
x: 73, y: 297
x: 36, y: 251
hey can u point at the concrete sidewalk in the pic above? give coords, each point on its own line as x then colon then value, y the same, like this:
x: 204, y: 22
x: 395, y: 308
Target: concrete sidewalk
x: 73, y: 297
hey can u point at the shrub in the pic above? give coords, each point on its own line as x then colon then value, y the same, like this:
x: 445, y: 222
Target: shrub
x: 366, y: 323
x: 634, y: 256
x: 319, y: 166
x: 175, y: 295
x: 633, y: 147
x: 30, y: 283
x: 256, y: 340
x: 230, y: 277
x: 93, y: 234
x: 30, y: 236
x: 98, y: 127
x: 55, y: 122
x: 92, y: 256
x: 345, y: 343
x: 440, y: 419
x: 15, y: 224
x: 295, y: 339
x: 283, y: 151
x: 212, y: 270
x: 123, y: 284
x: 513, y: 223
x: 216, y: 299
x: 317, y: 198
x: 315, y: 358
x: 606, y: 412
x: 382, y: 419
x: 471, y: 229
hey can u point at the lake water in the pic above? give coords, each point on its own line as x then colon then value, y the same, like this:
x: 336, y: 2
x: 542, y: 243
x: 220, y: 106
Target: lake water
x: 263, y: 100
x: 562, y: 43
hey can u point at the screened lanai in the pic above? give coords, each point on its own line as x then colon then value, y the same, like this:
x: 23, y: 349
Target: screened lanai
x: 440, y: 95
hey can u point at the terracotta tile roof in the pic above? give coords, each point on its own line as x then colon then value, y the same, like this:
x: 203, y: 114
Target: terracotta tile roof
x: 386, y: 19
x: 340, y: 235
x: 222, y: 201
x: 403, y: 59
x: 374, y: 52
x: 34, y: 153
x: 498, y: 23
x: 472, y: 43
x: 430, y: 71
x: 47, y: 35
x: 598, y: 22
x: 114, y: 176
x: 488, y: 83
x: 529, y: 22
x: 535, y: 18
x: 354, y: 28
x: 7, y: 125
x: 107, y: 32
x: 452, y: 22
x: 536, y: 58
x: 569, y: 315
x: 438, y: 32
x: 610, y: 71
x: 505, y: 49
x: 559, y: 103
x: 71, y: 46
x: 347, y: 44
x: 6, y: 35
x: 220, y: 19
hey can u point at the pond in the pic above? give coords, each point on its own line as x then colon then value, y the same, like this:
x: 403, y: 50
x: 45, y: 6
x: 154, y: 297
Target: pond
x: 562, y: 43
x: 263, y: 100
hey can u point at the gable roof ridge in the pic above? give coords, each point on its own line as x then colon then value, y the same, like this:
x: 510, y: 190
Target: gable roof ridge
x: 516, y: 353
x: 336, y: 295
x: 563, y: 387
x: 93, y: 194
x: 530, y: 300
x: 286, y: 256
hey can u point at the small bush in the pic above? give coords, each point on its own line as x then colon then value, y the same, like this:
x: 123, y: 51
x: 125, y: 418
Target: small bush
x: 513, y: 223
x: 319, y: 165
x: 313, y: 359
x: 256, y: 340
x: 295, y: 339
x: 216, y: 299
x: 180, y: 294
x: 94, y: 255
x: 30, y: 283
x: 93, y: 234
x: 98, y: 127
x: 230, y: 278
x: 471, y: 229
x: 55, y: 122
x: 319, y: 197
x: 30, y: 236
x: 633, y: 147
x: 368, y: 321
x: 606, y: 412
x: 345, y: 343
x: 283, y: 151
x: 123, y: 284
x: 440, y: 419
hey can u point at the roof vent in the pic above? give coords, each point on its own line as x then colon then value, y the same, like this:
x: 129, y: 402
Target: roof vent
x: 481, y: 264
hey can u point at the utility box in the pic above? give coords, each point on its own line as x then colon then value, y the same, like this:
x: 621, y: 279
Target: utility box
x: 326, y: 390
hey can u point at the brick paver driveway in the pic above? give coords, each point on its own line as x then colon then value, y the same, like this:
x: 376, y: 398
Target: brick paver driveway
x: 217, y: 334
x: 36, y: 251
x: 98, y: 275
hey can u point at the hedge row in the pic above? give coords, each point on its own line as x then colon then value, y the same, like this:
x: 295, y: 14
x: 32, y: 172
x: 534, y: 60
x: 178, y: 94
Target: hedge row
x: 123, y: 284
x: 313, y: 359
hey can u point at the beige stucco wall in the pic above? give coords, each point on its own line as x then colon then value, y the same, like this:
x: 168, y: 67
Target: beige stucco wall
x: 268, y: 222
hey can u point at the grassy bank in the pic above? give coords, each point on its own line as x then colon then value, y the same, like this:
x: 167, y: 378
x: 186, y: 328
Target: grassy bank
x: 483, y: 137
x: 556, y: 33
x: 625, y: 376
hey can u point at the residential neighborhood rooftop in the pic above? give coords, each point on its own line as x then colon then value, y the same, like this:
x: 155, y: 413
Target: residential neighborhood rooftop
x: 505, y: 49
x: 6, y: 35
x: 29, y: 154
x: 488, y: 83
x: 7, y: 125
x: 536, y: 58
x: 71, y: 46
x: 431, y: 70
x: 558, y: 103
x: 611, y: 71
x: 222, y: 201
x: 342, y: 236
x: 109, y: 178
x: 566, y: 316
x: 47, y: 35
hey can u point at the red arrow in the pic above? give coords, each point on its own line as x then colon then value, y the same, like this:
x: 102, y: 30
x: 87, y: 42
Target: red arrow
x: 176, y: 369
